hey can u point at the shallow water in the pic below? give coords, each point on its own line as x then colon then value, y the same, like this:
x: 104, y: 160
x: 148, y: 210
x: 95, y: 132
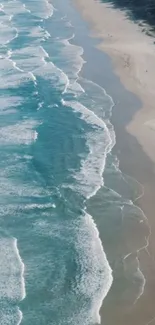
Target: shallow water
x: 55, y: 137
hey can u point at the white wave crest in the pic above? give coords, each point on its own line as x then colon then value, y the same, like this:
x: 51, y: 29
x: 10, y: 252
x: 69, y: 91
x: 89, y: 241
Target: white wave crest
x: 72, y: 57
x: 12, y: 285
x: 8, y: 34
x: 13, y: 7
x: 9, y: 104
x: 19, y: 133
x: 44, y: 10
x: 55, y: 75
x: 29, y: 58
x: 95, y: 277
x: 90, y: 177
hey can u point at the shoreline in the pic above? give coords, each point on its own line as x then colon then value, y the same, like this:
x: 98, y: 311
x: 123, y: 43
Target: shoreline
x: 134, y: 149
x: 133, y: 57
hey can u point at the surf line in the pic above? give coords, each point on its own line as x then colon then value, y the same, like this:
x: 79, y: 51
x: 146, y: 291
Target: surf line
x: 23, y: 290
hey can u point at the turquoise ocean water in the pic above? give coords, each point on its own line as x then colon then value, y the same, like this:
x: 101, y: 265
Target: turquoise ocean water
x: 55, y: 135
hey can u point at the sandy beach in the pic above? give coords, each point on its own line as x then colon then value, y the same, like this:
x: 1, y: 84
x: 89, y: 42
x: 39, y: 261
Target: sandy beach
x: 133, y: 58
x: 133, y: 55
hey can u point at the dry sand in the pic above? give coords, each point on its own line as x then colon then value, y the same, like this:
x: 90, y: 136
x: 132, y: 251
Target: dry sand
x: 133, y: 57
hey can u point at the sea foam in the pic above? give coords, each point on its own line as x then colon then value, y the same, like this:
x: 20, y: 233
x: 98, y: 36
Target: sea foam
x: 99, y: 141
x: 19, y: 67
x: 44, y: 10
x: 19, y: 133
x: 12, y: 282
x: 96, y: 274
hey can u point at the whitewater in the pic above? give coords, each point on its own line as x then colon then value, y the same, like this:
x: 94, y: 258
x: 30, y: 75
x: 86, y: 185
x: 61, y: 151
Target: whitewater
x: 55, y: 137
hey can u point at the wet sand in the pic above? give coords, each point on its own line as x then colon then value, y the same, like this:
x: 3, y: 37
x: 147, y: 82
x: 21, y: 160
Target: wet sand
x: 133, y: 58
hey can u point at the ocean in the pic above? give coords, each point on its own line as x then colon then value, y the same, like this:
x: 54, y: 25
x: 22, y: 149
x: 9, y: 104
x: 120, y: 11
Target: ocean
x: 59, y: 177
